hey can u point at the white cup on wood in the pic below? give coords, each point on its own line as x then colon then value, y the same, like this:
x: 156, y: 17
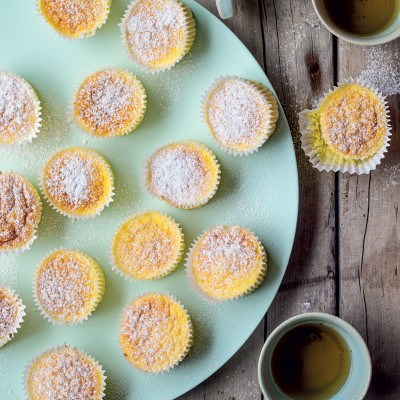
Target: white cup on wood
x: 226, y: 8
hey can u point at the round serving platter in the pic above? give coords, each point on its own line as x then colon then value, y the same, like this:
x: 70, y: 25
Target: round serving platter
x: 259, y: 191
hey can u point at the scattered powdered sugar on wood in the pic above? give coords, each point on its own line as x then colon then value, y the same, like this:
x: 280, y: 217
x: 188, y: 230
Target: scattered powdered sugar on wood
x: 236, y: 113
x: 154, y: 29
x: 17, y: 107
x: 178, y: 175
x: 382, y: 69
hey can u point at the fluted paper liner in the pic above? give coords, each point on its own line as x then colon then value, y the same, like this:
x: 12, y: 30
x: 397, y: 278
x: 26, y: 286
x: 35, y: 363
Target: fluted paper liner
x: 28, y: 244
x: 358, y: 167
x: 18, y: 319
x: 261, y: 91
x: 146, y: 188
x: 106, y: 166
x: 30, y: 365
x: 35, y: 98
x: 98, y: 290
x: 168, y: 269
x: 190, y: 34
x: 190, y: 332
x: 71, y: 107
x: 82, y: 34
x: 207, y: 297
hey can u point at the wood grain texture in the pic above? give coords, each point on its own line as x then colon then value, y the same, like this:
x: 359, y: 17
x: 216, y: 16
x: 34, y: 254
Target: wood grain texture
x: 369, y: 234
x: 299, y: 60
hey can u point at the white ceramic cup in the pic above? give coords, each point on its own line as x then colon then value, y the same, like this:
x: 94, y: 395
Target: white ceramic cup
x: 388, y: 34
x: 226, y: 8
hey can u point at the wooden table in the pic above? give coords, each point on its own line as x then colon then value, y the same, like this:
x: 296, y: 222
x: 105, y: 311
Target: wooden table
x: 347, y: 250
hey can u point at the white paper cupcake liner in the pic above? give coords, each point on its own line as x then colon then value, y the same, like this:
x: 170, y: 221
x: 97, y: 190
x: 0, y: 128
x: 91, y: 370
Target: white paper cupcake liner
x: 205, y: 200
x: 167, y: 270
x: 211, y: 299
x: 190, y: 333
x: 259, y: 89
x: 71, y: 107
x: 190, y: 34
x: 31, y: 363
x: 38, y: 112
x: 107, y: 167
x: 18, y: 319
x: 358, y: 167
x: 28, y: 244
x: 83, y: 34
x: 99, y: 289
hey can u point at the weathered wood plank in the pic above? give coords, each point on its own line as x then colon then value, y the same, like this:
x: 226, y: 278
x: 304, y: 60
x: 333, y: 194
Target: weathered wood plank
x: 369, y: 243
x: 237, y: 380
x: 299, y: 62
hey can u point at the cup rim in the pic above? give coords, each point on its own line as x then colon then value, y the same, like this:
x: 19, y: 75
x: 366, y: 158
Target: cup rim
x: 366, y: 41
x: 309, y: 318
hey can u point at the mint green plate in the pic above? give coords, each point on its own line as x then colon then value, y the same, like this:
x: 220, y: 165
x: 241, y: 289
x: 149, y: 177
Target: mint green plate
x: 259, y: 191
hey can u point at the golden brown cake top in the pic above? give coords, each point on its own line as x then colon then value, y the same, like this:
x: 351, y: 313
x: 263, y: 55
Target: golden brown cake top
x: 75, y: 18
x: 8, y: 313
x: 109, y: 102
x: 19, y: 112
x: 65, y: 374
x: 20, y: 211
x: 155, y: 332
x: 353, y: 121
x: 155, y: 31
x: 67, y: 285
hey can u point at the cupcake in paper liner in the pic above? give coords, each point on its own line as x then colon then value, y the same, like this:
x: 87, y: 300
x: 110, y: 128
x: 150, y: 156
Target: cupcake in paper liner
x: 147, y: 246
x: 74, y: 19
x: 20, y: 116
x: 348, y: 131
x: 157, y: 34
x: 184, y: 174
x: 240, y: 114
x: 46, y: 375
x: 68, y: 286
x: 78, y: 182
x: 11, y: 315
x: 226, y: 263
x: 21, y: 213
x: 109, y: 103
x: 156, y: 332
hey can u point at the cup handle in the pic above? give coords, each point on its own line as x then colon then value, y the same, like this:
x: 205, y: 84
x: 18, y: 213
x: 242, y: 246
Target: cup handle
x: 226, y: 8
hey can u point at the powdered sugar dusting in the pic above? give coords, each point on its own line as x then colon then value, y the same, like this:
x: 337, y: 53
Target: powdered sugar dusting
x: 19, y: 211
x: 8, y: 314
x: 109, y: 102
x: 18, y: 111
x: 65, y: 285
x: 236, y: 113
x: 154, y: 29
x: 65, y: 374
x: 154, y: 333
x: 228, y: 250
x: 71, y: 176
x: 178, y: 175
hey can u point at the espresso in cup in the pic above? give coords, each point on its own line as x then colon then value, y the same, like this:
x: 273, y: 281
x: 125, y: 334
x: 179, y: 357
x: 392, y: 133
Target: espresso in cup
x: 362, y: 17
